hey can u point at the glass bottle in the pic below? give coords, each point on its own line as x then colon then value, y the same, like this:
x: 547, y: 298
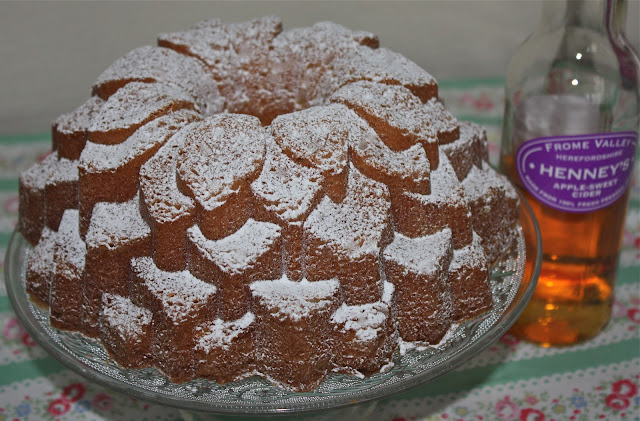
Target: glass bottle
x: 569, y: 141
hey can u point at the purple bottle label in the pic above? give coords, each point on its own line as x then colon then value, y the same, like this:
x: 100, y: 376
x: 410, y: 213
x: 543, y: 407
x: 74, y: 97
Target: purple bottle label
x: 577, y: 174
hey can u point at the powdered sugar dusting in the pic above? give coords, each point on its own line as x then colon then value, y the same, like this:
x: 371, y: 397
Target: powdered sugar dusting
x: 238, y: 251
x: 408, y: 168
x: 445, y: 187
x: 479, y: 181
x: 79, y: 119
x: 64, y: 170
x: 387, y: 293
x: 50, y: 171
x: 41, y: 257
x: 386, y: 66
x: 296, y: 300
x: 318, y: 136
x: 218, y: 154
x: 420, y: 255
x: 70, y: 250
x: 467, y: 150
x: 231, y: 51
x: 127, y: 319
x: 394, y: 106
x: 136, y: 103
x: 367, y: 320
x: 179, y: 292
x: 221, y: 333
x: 115, y: 224
x: 470, y: 255
x: 158, y: 183
x: 37, y: 175
x: 357, y: 224
x: 146, y: 64
x: 501, y: 181
x: 99, y: 158
x: 287, y: 189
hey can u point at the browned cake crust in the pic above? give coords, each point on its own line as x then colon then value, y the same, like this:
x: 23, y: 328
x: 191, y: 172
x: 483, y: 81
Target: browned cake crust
x: 293, y: 346
x: 69, y: 255
x: 254, y: 252
x: 364, y: 336
x: 111, y: 244
x: 469, y: 281
x: 423, y: 293
x: 225, y: 351
x: 126, y: 331
x: 69, y: 132
x: 178, y: 302
x: 417, y: 215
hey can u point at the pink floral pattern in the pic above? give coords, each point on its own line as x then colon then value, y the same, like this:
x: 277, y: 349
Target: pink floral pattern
x: 77, y: 401
x: 615, y: 399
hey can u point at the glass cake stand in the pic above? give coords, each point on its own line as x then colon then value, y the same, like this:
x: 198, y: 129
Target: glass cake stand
x: 513, y: 280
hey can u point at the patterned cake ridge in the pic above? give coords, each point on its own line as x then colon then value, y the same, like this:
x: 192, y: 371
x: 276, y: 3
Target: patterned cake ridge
x: 478, y: 181
x: 444, y: 183
x: 157, y: 64
x: 287, y: 189
x: 384, y: 105
x: 79, y: 119
x: 365, y: 319
x: 385, y: 66
x: 402, y: 170
x: 64, y: 170
x: 114, y: 224
x: 98, y: 157
x: 125, y: 317
x: 416, y: 214
x: 398, y: 116
x: 72, y: 249
x: 158, y: 183
x: 419, y: 254
x: 394, y: 103
x: 309, y: 53
x: 36, y: 176
x: 220, y: 333
x: 179, y: 292
x: 469, y: 149
x: 238, y: 251
x: 317, y: 136
x: 217, y: 154
x: 472, y: 254
x: 325, y: 37
x: 204, y: 40
x: 133, y: 105
x: 295, y: 300
x: 501, y: 181
x: 40, y: 264
x: 218, y: 44
x: 442, y: 121
x: 364, y: 212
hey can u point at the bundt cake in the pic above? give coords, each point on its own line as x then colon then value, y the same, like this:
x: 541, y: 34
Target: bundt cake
x: 243, y: 201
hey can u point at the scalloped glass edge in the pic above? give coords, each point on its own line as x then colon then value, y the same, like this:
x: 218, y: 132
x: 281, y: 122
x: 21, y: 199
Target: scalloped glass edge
x: 513, y: 280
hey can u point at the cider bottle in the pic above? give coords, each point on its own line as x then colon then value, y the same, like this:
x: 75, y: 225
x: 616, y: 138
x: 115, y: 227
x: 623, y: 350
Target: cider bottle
x: 569, y: 142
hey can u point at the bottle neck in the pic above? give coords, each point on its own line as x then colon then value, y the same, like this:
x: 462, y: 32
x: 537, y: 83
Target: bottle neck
x: 618, y: 14
x: 597, y: 15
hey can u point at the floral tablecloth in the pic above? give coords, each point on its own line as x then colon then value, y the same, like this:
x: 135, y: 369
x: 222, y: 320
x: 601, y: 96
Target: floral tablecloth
x: 511, y: 380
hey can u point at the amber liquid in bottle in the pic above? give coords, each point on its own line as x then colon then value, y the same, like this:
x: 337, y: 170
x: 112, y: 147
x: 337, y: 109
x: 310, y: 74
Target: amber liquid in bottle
x: 575, y: 75
x: 572, y: 301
